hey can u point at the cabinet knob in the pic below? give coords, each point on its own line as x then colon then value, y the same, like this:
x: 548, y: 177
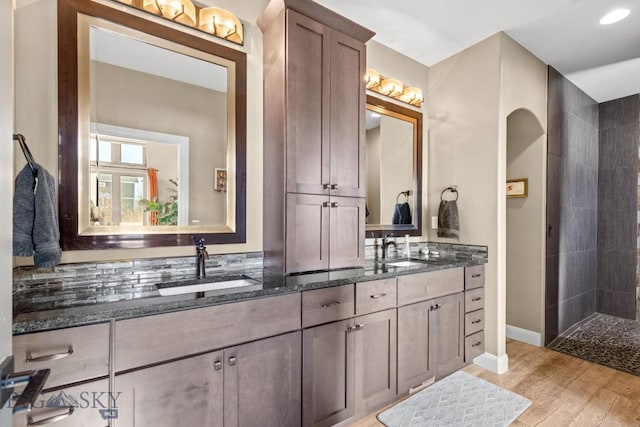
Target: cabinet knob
x: 48, y: 357
x: 217, y: 365
x: 359, y: 327
x: 436, y: 307
x: 232, y: 361
x: 325, y: 204
x: 334, y: 204
x: 334, y: 186
x: 325, y: 186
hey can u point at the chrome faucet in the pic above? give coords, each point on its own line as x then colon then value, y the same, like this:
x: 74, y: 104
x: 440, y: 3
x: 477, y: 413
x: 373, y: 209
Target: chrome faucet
x: 201, y: 255
x: 386, y: 243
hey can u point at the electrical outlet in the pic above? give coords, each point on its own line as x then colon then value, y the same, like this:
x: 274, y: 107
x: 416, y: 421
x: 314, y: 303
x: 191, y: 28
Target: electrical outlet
x: 434, y: 222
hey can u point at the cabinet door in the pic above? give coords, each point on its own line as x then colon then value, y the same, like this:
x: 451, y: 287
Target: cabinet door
x: 307, y: 244
x: 446, y: 330
x: 414, y: 364
x: 327, y: 374
x: 347, y: 232
x: 262, y: 383
x: 375, y: 359
x: 91, y: 404
x: 348, y: 58
x: 307, y: 105
x: 183, y: 393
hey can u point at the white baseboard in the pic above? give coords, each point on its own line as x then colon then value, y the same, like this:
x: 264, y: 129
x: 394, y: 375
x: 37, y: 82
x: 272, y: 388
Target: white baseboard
x: 496, y: 364
x: 524, y: 335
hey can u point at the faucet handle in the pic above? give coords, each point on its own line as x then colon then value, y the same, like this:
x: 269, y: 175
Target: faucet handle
x: 199, y: 243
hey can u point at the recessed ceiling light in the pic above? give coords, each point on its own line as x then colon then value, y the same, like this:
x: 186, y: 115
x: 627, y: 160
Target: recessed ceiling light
x: 614, y: 16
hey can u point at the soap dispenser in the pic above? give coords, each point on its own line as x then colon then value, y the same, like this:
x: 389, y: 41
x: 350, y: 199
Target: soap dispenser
x: 407, y: 247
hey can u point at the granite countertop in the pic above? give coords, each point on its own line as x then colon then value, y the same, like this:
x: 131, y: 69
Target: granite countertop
x: 63, y: 307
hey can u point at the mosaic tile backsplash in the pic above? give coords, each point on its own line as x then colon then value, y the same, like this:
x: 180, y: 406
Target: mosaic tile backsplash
x: 71, y: 285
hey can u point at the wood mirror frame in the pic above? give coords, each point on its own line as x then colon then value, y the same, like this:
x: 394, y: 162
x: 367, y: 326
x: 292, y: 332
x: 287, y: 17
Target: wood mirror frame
x: 68, y: 119
x: 415, y: 228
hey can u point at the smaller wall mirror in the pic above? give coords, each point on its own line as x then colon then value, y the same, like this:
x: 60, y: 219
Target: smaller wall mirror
x: 394, y: 169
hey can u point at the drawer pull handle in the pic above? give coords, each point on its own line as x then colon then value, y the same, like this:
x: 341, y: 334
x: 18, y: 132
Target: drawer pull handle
x: 325, y: 204
x: 436, y: 307
x: 232, y: 361
x: 475, y: 322
x: 49, y: 357
x: 50, y: 420
x: 476, y: 299
x: 476, y: 344
x: 334, y: 186
x: 334, y: 204
x: 325, y: 186
x: 330, y: 304
x: 217, y: 365
x: 475, y: 276
x: 359, y: 327
x: 376, y: 296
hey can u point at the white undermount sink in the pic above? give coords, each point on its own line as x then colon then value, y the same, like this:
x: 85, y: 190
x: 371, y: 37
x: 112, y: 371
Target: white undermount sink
x: 404, y: 263
x: 238, y: 285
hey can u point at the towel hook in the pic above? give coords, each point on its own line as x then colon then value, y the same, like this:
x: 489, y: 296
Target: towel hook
x: 453, y: 189
x: 25, y: 150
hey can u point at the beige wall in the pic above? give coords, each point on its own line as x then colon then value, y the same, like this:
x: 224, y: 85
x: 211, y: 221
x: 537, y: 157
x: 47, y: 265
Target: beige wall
x: 524, y: 86
x: 393, y: 64
x: 6, y: 184
x: 470, y: 96
x: 36, y: 113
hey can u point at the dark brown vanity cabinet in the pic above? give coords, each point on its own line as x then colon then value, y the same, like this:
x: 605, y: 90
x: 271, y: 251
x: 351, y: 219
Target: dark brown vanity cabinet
x: 252, y: 384
x: 314, y: 138
x: 349, y: 366
x: 430, y: 332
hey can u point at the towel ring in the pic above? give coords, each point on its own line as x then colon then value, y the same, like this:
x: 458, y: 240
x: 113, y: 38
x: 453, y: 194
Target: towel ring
x: 405, y: 194
x: 452, y: 189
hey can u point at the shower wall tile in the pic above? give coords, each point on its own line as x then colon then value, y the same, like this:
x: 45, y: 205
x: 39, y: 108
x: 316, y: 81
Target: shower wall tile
x: 621, y: 304
x: 617, y: 206
x: 572, y: 205
x: 619, y: 112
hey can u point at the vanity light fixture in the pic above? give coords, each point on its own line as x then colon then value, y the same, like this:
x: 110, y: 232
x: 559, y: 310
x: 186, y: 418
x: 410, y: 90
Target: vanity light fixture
x: 390, y: 87
x: 372, y: 78
x: 221, y: 23
x: 182, y: 11
x: 393, y: 88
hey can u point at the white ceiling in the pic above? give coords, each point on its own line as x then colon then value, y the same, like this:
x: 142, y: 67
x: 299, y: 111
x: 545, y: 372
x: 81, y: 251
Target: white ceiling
x: 604, y: 61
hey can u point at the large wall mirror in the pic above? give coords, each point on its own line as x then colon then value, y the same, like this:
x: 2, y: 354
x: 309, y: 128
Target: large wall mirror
x: 152, y: 124
x: 394, y: 169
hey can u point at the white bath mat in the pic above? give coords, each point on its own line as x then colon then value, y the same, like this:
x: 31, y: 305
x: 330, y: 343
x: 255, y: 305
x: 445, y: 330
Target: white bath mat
x: 458, y: 400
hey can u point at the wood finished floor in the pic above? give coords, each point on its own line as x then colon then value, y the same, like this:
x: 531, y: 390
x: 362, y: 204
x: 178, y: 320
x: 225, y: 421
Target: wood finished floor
x: 564, y: 390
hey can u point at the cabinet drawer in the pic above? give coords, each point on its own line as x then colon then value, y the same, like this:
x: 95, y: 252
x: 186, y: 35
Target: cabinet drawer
x: 474, y: 277
x: 424, y: 286
x: 328, y: 304
x: 473, y: 322
x: 73, y: 354
x: 93, y: 402
x: 473, y: 346
x: 473, y: 300
x: 152, y: 339
x: 374, y: 296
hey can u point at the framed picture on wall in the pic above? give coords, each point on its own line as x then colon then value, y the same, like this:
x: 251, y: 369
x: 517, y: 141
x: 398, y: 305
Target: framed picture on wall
x: 220, y: 180
x: 518, y: 187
